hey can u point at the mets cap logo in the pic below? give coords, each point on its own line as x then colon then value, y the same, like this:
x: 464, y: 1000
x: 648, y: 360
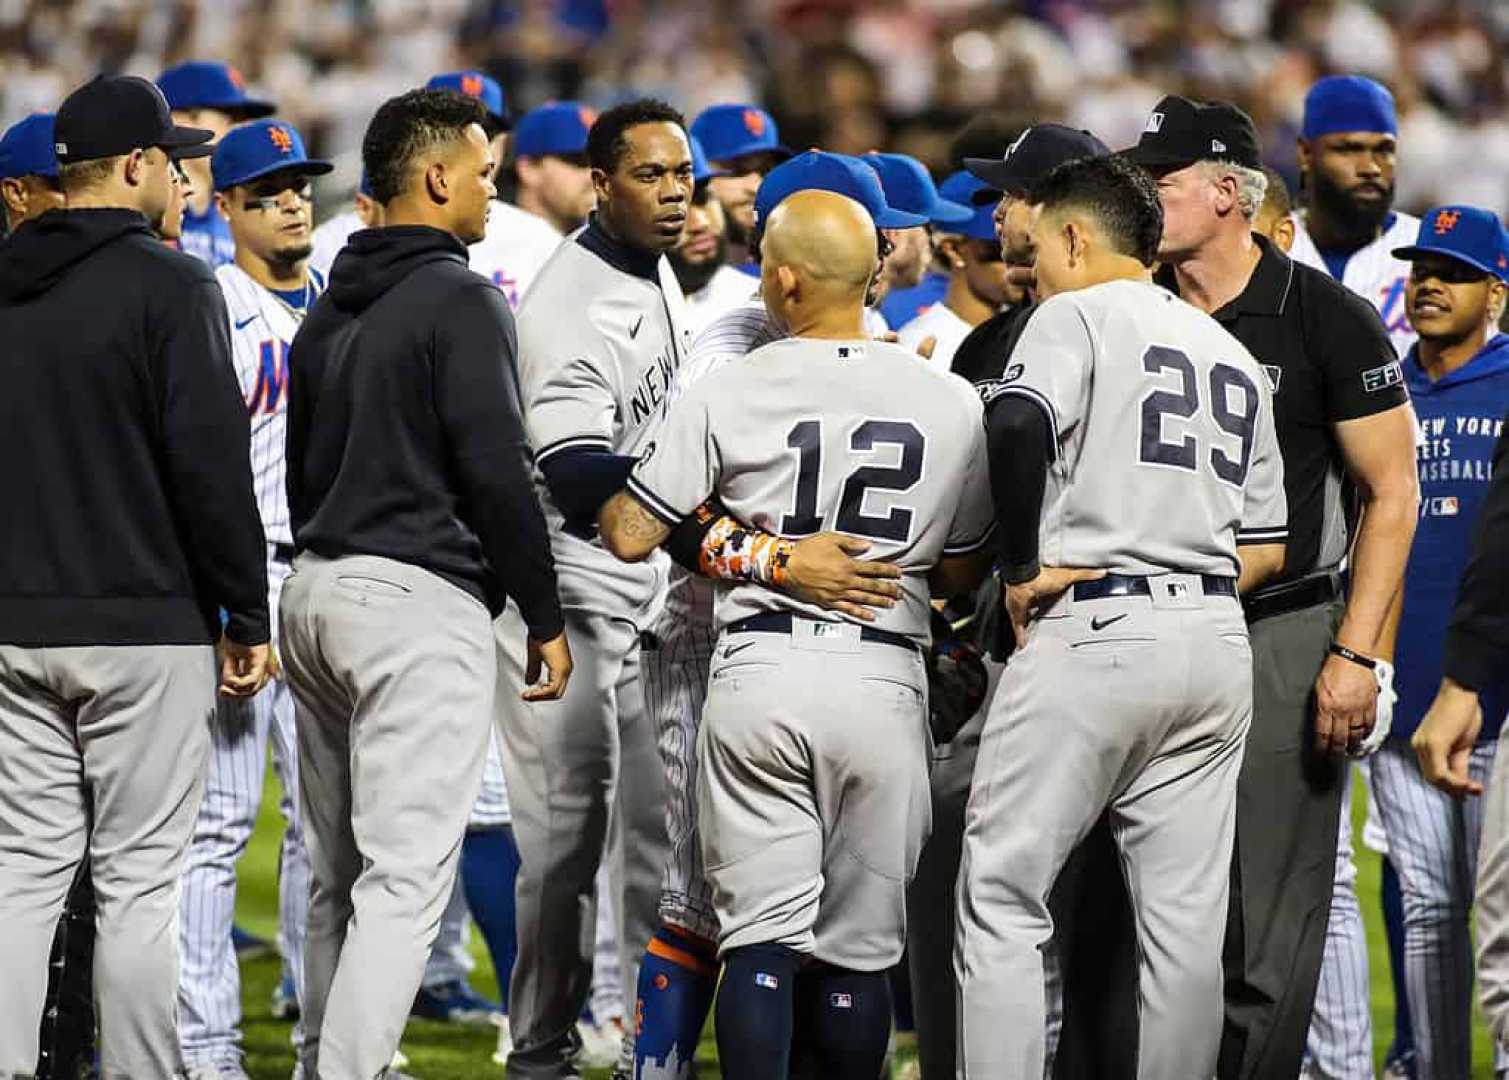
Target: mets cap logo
x: 1446, y: 220
x: 754, y: 122
x: 236, y: 80
x: 1503, y: 262
x: 281, y: 139
x: 471, y: 84
x: 586, y: 116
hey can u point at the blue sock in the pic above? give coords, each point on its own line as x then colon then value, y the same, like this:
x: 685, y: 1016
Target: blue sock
x: 489, y: 866
x: 846, y: 1016
x: 756, y: 1005
x: 676, y: 982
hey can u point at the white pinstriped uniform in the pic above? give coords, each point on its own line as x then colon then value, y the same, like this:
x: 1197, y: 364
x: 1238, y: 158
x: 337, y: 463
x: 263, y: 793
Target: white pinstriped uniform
x: 1340, y: 1043
x: 209, y: 994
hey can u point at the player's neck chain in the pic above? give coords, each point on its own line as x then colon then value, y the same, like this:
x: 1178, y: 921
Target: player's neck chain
x: 299, y: 312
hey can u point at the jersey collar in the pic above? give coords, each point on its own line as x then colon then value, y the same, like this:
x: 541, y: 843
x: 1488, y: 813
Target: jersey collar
x: 632, y: 261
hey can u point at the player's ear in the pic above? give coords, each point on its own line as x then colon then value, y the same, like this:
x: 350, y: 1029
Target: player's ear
x: 600, y: 184
x: 136, y: 166
x: 1305, y: 154
x: 435, y: 183
x: 786, y: 278
x: 949, y: 251
x: 1498, y: 296
x: 13, y: 191
x: 1283, y: 233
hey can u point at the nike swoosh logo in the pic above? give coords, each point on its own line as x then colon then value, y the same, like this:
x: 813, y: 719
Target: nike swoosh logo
x: 733, y: 650
x: 1100, y: 624
x: 634, y: 330
x: 246, y: 322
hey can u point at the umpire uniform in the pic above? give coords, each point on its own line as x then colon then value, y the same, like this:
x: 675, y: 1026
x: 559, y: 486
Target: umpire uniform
x: 132, y: 525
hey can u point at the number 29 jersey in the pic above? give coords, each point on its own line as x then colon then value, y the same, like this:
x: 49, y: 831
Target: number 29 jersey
x: 1164, y: 454
x: 807, y: 435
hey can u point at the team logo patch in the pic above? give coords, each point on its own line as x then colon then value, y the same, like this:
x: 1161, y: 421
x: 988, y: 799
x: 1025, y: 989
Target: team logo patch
x: 1382, y: 377
x: 1013, y: 147
x: 1503, y: 262
x: 1013, y: 373
x: 586, y: 116
x: 1275, y: 375
x: 841, y: 1001
x: 281, y: 139
x: 236, y: 78
x: 766, y: 981
x: 754, y: 122
x: 471, y: 84
x: 1446, y: 220
x: 850, y: 352
x: 1154, y: 123
x: 649, y: 452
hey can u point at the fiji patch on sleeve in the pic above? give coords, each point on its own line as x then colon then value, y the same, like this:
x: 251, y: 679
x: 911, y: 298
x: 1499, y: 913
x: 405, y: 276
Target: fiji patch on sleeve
x: 1382, y: 377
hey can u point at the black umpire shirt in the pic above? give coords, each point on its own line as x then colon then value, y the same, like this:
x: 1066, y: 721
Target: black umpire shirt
x: 1477, y: 643
x: 1329, y: 360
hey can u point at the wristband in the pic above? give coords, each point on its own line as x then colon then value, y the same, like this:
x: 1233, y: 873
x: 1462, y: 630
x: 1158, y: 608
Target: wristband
x: 1338, y: 649
x: 731, y: 551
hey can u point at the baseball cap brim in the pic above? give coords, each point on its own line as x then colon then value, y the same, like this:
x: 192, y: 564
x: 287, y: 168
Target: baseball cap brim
x: 312, y: 167
x: 891, y: 218
x: 948, y: 212
x: 177, y: 138
x: 782, y: 153
x: 995, y: 172
x: 1155, y: 157
x: 1414, y: 251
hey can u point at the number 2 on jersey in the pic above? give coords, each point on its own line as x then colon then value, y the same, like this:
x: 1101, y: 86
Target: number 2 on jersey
x: 1162, y: 405
x: 806, y: 439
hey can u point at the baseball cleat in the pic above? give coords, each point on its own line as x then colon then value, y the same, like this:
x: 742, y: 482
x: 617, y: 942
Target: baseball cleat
x: 285, y: 1002
x: 455, y: 1003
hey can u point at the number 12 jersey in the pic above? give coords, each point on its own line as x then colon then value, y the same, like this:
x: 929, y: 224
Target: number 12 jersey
x: 1164, y: 454
x: 806, y: 435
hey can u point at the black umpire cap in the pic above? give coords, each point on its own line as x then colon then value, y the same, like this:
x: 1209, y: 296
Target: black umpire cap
x: 115, y: 114
x: 1037, y: 152
x: 1181, y: 132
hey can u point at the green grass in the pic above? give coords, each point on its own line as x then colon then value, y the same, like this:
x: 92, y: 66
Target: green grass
x: 454, y: 1052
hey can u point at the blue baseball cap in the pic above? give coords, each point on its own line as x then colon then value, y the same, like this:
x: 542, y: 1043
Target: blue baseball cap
x: 474, y: 84
x: 557, y: 128
x: 257, y: 149
x: 209, y: 84
x: 1348, y: 103
x: 26, y: 148
x: 1464, y: 233
x: 701, y: 170
x: 961, y: 188
x: 731, y: 131
x: 908, y: 186
x: 841, y: 174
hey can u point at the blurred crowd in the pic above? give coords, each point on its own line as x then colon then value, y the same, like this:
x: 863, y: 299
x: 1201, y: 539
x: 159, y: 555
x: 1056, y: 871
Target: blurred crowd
x: 849, y: 75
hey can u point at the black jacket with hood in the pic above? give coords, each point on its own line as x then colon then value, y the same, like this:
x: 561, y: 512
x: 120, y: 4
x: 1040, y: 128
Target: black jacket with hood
x: 130, y: 517
x: 405, y: 429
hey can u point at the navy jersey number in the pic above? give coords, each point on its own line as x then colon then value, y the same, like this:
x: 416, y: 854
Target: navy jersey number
x: 806, y: 439
x: 1165, y: 407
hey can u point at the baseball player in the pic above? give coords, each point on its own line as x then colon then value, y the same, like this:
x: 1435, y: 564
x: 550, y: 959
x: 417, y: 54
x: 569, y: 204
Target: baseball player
x: 1458, y: 377
x: 1348, y: 226
x: 909, y: 187
x: 261, y: 175
x: 1349, y: 229
x: 550, y: 163
x: 332, y: 233
x: 678, y: 973
x: 813, y: 755
x: 710, y: 285
x: 977, y: 283
x: 1181, y: 427
x: 28, y: 171
x: 601, y: 335
x: 743, y: 144
x: 210, y: 95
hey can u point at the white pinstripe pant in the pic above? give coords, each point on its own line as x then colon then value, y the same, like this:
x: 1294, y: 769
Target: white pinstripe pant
x: 1433, y: 842
x: 209, y: 982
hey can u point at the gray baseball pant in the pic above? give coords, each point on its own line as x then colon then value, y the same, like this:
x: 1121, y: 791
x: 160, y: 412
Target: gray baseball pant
x: 1284, y: 865
x: 1148, y: 719
x: 570, y: 765
x: 1491, y: 905
x: 393, y: 670
x: 102, y: 748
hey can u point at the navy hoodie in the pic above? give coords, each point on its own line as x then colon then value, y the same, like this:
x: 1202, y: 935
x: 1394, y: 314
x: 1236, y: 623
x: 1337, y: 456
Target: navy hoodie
x: 405, y: 431
x: 1460, y: 419
x: 129, y: 513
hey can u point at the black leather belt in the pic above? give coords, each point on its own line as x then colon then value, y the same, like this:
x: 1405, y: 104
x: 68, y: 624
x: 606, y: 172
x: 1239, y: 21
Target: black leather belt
x: 283, y: 553
x: 779, y: 622
x: 1291, y: 596
x: 1141, y: 585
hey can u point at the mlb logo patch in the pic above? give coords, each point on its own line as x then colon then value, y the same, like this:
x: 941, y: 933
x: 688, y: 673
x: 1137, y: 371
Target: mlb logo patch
x: 766, y: 981
x: 841, y: 1001
x: 1445, y: 506
x: 850, y: 352
x: 1154, y: 123
x: 1177, y: 590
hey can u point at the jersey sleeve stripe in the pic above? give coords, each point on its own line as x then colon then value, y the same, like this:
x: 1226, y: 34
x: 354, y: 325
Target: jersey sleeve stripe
x: 654, y: 503
x: 1042, y: 403
x: 971, y: 546
x: 572, y: 442
x: 1272, y: 534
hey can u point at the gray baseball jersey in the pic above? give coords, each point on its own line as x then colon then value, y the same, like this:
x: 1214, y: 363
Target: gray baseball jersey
x: 1147, y: 394
x: 887, y: 449
x: 599, y: 348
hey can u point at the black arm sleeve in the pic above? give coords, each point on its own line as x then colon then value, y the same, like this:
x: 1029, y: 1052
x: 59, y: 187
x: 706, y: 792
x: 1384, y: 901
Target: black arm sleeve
x: 685, y: 542
x: 207, y: 452
x: 1477, y: 642
x: 582, y: 479
x: 1020, y: 442
x: 477, y: 395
